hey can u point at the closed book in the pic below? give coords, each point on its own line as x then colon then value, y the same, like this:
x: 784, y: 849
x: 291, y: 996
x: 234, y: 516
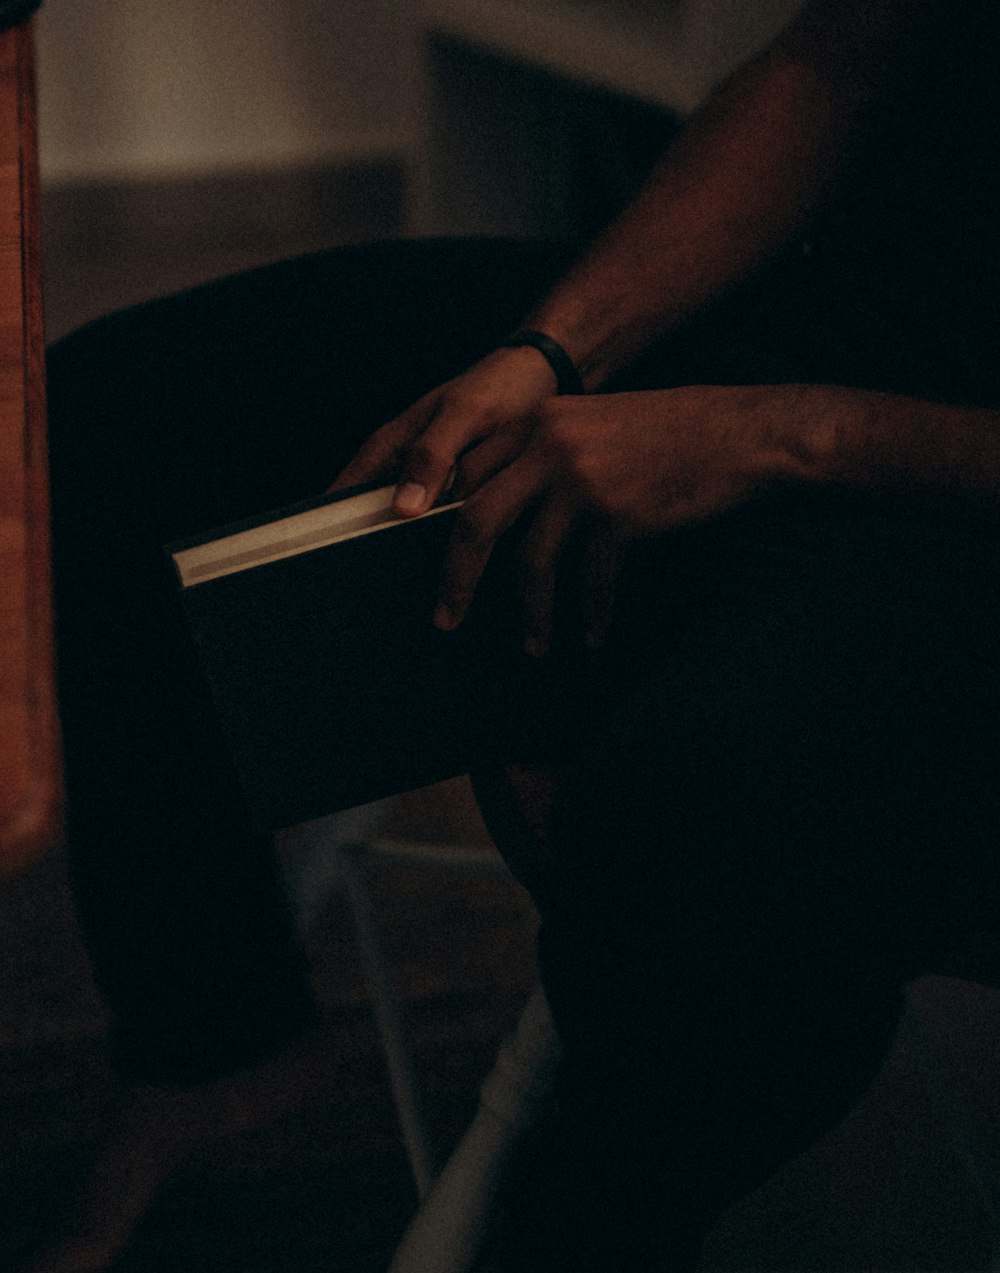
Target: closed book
x: 333, y: 687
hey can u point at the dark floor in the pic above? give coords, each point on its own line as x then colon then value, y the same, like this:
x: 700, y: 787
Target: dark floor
x: 327, y: 1188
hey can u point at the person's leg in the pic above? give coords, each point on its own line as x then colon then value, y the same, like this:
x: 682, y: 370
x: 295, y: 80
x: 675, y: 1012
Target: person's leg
x: 167, y: 420
x: 791, y: 810
x: 788, y: 807
x: 164, y: 421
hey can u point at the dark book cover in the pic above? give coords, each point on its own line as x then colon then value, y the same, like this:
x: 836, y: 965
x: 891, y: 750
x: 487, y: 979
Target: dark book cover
x: 332, y: 684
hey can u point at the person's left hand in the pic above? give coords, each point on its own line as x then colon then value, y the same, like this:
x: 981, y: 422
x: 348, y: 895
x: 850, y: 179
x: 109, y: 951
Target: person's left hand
x: 634, y: 464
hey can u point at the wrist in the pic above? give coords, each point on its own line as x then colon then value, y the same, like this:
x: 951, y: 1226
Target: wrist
x: 814, y: 423
x: 531, y: 371
x: 564, y: 370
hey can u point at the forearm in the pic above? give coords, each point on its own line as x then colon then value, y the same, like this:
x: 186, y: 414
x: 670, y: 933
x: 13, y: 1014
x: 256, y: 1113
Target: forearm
x: 743, y: 176
x: 888, y: 445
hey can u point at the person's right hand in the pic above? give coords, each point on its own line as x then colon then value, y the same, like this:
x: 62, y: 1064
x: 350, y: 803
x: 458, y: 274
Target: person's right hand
x: 461, y: 433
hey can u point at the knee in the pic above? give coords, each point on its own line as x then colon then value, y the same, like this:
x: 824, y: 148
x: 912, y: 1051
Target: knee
x: 682, y: 760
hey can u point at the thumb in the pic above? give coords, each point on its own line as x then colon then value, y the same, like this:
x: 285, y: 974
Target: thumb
x: 429, y: 462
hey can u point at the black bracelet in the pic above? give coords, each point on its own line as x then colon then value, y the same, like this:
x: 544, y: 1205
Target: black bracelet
x: 568, y: 379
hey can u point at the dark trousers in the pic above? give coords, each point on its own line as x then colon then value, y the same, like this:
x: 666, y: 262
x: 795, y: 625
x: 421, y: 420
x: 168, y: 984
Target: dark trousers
x: 781, y: 809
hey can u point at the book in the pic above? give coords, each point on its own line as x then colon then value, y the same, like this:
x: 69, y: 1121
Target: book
x: 314, y: 628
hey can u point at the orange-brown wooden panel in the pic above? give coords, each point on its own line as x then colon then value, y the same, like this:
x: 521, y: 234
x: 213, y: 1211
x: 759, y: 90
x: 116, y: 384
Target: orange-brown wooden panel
x: 30, y: 777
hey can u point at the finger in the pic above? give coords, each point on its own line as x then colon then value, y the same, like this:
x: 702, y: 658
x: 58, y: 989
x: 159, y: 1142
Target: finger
x: 478, y: 525
x: 430, y: 460
x: 486, y: 458
x: 383, y: 452
x: 604, y: 556
x: 540, y: 551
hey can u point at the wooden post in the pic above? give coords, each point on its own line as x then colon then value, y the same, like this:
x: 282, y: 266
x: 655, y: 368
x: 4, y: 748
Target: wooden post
x: 30, y: 772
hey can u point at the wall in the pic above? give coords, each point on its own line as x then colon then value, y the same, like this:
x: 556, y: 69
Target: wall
x: 134, y: 88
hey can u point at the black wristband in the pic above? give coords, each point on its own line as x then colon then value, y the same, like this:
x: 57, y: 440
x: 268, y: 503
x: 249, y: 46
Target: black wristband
x: 567, y: 377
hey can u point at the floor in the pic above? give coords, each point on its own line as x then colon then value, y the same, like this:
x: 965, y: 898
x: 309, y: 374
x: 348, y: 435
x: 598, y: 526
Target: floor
x: 327, y: 1187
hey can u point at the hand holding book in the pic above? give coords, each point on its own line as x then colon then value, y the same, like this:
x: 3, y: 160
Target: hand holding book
x: 605, y: 468
x: 332, y: 686
x: 482, y: 432
x: 459, y: 434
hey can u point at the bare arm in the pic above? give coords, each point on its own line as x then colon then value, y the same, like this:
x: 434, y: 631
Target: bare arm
x: 652, y: 460
x: 741, y: 179
x: 898, y: 446
x: 747, y: 170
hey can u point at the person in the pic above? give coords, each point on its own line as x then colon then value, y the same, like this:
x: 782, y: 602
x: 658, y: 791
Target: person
x: 774, y: 510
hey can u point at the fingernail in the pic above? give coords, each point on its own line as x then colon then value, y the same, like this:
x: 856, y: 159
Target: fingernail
x: 445, y: 618
x: 535, y: 647
x: 411, y: 498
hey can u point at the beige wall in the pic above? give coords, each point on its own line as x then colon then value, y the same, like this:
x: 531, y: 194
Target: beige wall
x: 161, y: 88
x: 158, y: 87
